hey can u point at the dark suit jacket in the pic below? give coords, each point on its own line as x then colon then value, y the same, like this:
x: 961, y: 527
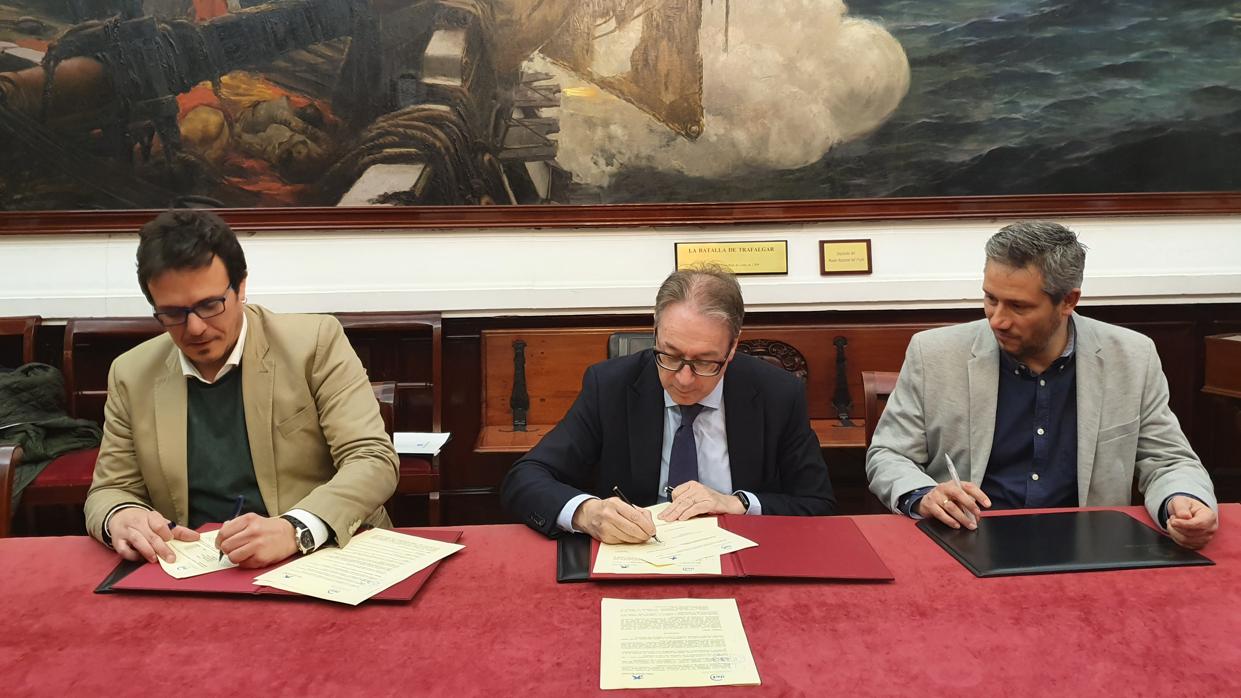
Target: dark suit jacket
x: 613, y: 435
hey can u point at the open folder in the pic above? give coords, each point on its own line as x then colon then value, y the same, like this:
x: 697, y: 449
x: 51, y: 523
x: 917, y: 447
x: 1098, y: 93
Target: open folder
x: 142, y: 576
x: 1065, y: 541
x: 810, y: 547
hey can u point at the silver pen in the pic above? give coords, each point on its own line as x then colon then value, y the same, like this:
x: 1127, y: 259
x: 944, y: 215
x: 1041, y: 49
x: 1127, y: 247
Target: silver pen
x: 956, y: 480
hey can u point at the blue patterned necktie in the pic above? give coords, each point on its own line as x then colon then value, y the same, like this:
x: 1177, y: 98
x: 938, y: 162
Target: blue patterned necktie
x: 683, y: 461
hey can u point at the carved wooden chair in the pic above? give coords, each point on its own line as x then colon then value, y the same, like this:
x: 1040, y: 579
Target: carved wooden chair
x: 90, y: 346
x: 387, y: 343
x: 17, y: 339
x: 779, y: 354
x: 877, y: 386
x: 17, y: 336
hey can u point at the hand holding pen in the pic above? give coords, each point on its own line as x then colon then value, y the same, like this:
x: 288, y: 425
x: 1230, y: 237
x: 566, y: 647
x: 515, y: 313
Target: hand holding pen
x: 616, y: 491
x: 241, y: 502
x: 613, y: 520
x: 954, y: 503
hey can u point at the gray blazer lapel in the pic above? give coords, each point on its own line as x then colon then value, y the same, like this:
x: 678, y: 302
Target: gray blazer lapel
x: 984, y: 378
x: 1090, y: 397
x: 257, y: 386
x: 646, y: 433
x: 170, y: 435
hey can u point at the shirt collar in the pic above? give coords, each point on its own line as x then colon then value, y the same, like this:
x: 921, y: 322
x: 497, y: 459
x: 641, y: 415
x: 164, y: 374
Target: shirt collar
x: 712, y: 400
x: 234, y: 359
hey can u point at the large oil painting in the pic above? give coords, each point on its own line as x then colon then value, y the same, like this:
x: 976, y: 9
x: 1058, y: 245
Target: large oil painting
x: 140, y: 104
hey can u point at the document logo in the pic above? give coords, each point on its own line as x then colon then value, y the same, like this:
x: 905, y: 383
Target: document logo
x: 717, y: 677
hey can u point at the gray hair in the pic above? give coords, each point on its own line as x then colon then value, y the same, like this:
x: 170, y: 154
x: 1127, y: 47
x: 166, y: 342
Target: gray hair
x: 710, y: 289
x: 1052, y: 248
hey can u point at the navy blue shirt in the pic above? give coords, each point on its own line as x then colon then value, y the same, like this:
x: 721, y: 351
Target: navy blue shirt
x: 1034, y: 453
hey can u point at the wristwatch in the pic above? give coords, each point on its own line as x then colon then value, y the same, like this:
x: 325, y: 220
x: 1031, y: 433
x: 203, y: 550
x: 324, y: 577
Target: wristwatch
x: 301, y: 533
x: 745, y: 501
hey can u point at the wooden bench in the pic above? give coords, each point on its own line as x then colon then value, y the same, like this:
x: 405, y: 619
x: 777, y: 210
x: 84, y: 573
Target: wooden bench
x: 556, y: 359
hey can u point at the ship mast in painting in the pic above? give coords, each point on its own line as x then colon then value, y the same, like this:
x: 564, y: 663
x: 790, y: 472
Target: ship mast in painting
x: 432, y: 100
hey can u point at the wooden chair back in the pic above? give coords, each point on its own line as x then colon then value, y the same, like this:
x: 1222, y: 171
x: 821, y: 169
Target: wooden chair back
x: 17, y: 339
x: 876, y: 387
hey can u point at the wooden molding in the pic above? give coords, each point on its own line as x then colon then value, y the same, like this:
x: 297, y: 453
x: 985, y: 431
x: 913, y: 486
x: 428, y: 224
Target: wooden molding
x: 645, y: 215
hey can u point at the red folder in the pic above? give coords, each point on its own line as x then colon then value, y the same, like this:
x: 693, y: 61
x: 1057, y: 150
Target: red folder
x: 235, y: 580
x: 809, y: 547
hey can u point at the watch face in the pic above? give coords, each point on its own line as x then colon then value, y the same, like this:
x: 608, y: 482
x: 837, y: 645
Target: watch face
x: 306, y: 540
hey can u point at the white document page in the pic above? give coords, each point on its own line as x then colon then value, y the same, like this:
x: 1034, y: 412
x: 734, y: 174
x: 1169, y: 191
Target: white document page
x: 681, y: 542
x: 667, y: 643
x: 195, y: 557
x: 419, y: 443
x: 373, y: 561
x: 623, y: 559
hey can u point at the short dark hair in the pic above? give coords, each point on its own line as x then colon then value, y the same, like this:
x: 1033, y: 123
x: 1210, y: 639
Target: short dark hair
x: 1052, y: 248
x: 187, y: 239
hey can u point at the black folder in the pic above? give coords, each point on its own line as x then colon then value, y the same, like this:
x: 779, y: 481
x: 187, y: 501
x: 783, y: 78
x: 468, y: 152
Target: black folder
x: 1069, y: 541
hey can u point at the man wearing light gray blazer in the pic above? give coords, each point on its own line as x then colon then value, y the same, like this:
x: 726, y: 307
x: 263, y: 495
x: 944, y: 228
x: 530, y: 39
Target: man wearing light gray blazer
x: 1036, y: 405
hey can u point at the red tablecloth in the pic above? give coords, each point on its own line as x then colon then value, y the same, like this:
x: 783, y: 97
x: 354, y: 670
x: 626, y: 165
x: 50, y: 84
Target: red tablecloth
x: 493, y: 621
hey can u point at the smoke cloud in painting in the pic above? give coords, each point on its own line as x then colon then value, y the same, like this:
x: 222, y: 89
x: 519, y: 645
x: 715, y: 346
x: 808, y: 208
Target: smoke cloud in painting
x: 797, y: 78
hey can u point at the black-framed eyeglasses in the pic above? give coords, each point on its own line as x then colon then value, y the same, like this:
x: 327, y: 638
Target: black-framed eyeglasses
x: 206, y: 308
x: 700, y: 367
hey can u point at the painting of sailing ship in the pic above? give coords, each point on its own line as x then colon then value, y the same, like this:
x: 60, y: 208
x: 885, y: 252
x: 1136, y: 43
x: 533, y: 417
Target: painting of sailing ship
x: 131, y: 104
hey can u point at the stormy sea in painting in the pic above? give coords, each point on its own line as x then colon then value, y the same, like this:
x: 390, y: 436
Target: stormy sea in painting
x: 1027, y: 96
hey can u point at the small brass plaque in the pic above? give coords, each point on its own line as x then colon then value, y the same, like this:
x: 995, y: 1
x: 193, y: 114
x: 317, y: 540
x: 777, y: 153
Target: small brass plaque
x: 760, y: 257
x: 844, y: 257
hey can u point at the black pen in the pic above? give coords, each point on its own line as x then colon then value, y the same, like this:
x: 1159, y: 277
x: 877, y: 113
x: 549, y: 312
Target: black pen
x: 616, y: 491
x: 241, y: 502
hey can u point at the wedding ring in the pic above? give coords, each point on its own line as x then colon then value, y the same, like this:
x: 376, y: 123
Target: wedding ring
x: 946, y: 501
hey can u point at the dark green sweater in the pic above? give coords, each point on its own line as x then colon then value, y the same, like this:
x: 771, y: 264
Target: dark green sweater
x: 218, y: 451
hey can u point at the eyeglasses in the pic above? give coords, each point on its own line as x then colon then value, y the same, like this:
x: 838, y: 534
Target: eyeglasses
x: 700, y: 367
x: 206, y: 308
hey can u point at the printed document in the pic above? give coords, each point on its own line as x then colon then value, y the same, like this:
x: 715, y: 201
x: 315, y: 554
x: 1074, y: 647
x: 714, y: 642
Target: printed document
x: 195, y: 557
x: 372, y: 561
x: 668, y: 643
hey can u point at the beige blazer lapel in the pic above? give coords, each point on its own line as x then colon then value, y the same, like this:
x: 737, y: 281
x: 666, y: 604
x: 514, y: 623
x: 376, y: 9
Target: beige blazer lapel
x: 170, y: 435
x: 1090, y: 397
x: 984, y: 378
x: 257, y: 387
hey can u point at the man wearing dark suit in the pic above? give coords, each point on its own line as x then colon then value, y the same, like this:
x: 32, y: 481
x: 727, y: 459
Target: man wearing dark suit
x: 669, y: 418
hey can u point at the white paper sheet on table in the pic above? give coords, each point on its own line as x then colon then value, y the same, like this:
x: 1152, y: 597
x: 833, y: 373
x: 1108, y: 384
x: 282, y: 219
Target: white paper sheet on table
x: 666, y: 643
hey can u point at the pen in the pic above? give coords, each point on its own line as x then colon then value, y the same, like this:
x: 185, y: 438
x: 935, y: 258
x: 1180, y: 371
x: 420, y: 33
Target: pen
x: 241, y: 502
x: 616, y: 491
x: 956, y: 479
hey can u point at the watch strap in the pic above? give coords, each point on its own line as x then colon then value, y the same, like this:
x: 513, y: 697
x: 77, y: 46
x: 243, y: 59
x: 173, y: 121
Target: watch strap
x: 301, y: 534
x: 745, y: 500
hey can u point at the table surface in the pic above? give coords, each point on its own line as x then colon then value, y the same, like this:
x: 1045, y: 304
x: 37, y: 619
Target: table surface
x: 493, y: 621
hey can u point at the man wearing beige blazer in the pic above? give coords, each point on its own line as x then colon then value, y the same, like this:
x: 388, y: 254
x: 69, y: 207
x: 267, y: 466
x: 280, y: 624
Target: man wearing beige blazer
x: 234, y: 403
x: 1036, y: 406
